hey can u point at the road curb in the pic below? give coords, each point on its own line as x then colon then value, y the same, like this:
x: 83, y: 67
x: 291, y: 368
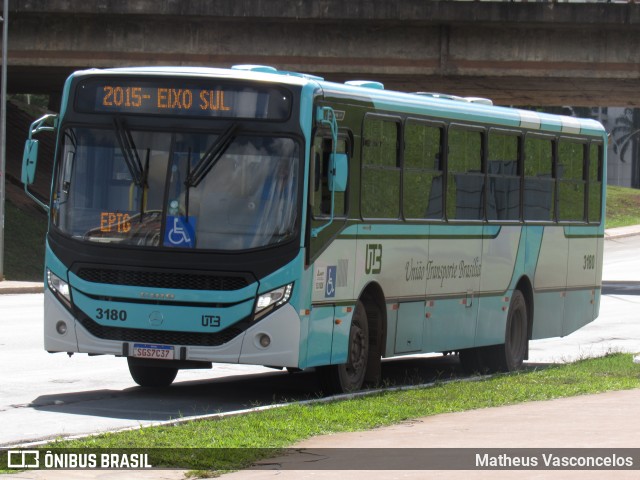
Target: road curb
x: 621, y: 232
x: 19, y: 289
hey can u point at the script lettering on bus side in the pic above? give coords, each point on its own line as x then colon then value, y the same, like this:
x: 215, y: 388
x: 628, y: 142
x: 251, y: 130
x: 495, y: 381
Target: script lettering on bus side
x: 416, y: 270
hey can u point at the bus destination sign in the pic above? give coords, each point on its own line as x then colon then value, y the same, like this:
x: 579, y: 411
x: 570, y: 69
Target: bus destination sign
x: 177, y: 97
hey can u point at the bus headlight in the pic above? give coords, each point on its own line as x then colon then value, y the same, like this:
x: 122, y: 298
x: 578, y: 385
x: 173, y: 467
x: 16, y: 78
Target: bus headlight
x: 270, y: 301
x: 59, y: 288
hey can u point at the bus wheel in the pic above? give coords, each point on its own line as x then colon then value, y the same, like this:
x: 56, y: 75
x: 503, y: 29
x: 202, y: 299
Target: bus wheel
x: 349, y: 376
x: 153, y: 377
x: 510, y: 356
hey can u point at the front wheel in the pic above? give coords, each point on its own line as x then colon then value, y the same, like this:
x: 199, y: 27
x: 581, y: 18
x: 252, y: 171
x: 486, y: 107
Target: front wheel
x: 350, y: 376
x: 151, y: 376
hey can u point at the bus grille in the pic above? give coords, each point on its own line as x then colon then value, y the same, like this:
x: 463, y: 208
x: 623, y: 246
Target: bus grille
x: 161, y: 337
x: 164, y: 279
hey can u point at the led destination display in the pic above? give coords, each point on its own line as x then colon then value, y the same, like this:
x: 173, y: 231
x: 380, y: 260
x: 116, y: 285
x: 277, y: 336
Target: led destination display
x: 179, y: 97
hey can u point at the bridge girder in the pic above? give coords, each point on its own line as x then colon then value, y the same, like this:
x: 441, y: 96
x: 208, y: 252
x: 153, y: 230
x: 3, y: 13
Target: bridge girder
x: 515, y: 53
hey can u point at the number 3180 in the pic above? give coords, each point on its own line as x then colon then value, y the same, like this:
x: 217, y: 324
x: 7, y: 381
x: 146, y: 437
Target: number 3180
x: 111, y: 314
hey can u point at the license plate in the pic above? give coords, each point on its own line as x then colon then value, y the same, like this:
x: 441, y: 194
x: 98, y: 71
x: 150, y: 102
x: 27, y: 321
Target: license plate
x: 145, y: 350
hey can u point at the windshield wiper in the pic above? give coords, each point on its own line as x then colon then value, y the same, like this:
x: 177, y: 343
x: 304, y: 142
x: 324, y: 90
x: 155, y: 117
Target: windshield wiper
x: 144, y: 184
x: 129, y: 151
x: 211, y: 157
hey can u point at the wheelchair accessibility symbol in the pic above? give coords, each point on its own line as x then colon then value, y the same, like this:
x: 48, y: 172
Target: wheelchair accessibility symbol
x: 179, y: 232
x: 330, y: 286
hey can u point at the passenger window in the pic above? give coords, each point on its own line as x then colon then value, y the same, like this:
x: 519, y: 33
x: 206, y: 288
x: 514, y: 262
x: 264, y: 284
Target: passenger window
x: 595, y: 182
x: 539, y: 184
x: 422, y: 171
x: 465, y: 186
x: 504, y: 179
x: 380, y: 169
x: 571, y: 180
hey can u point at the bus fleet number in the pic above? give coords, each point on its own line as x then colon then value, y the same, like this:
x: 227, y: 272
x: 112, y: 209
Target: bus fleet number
x: 589, y: 262
x: 111, y: 314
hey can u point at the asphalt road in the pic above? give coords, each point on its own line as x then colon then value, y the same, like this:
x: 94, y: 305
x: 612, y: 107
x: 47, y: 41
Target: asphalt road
x: 44, y: 396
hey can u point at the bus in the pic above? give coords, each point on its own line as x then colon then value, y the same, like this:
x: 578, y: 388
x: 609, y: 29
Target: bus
x: 256, y: 216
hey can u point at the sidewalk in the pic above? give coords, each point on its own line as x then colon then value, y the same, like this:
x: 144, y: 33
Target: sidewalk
x: 10, y: 287
x: 608, y: 421
x: 621, y: 232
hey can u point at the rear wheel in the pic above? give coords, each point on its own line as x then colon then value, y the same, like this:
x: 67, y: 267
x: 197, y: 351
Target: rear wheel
x: 510, y: 355
x: 151, y: 376
x: 516, y: 337
x: 350, y: 376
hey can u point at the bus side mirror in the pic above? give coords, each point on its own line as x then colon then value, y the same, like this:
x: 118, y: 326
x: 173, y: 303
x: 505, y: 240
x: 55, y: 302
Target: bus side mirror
x: 338, y: 172
x: 29, y: 161
x: 47, y: 123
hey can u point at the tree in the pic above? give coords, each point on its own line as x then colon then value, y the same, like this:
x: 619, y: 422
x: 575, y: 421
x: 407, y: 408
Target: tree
x: 626, y: 134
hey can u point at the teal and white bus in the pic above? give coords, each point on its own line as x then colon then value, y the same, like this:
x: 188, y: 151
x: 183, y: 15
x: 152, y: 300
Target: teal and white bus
x: 255, y: 216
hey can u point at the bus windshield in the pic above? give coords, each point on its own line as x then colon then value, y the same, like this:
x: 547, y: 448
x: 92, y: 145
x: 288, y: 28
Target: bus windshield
x: 176, y: 189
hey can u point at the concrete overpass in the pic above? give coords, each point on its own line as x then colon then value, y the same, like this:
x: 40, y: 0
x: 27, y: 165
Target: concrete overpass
x: 516, y: 53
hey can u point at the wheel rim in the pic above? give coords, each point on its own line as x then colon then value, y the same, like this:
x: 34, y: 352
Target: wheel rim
x: 516, y: 335
x: 352, y: 373
x: 357, y: 352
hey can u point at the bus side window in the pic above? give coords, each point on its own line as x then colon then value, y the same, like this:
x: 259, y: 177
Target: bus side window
x: 595, y: 182
x: 571, y: 186
x: 422, y: 171
x: 465, y: 189
x: 380, y: 180
x: 503, y: 192
x: 322, y: 149
x: 539, y: 184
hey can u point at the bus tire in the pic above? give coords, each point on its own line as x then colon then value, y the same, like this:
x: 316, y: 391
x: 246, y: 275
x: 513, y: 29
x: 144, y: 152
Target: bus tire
x: 510, y: 356
x: 152, y: 377
x: 349, y: 377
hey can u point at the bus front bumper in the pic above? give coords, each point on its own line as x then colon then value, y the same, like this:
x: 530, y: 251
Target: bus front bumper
x: 273, y: 341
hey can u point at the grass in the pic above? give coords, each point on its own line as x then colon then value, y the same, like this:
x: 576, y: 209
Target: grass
x: 256, y: 435
x: 24, y: 234
x: 623, y: 207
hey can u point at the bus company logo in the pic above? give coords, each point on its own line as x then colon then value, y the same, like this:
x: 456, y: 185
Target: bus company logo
x: 211, y: 320
x: 23, y: 459
x: 373, y: 260
x: 157, y: 296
